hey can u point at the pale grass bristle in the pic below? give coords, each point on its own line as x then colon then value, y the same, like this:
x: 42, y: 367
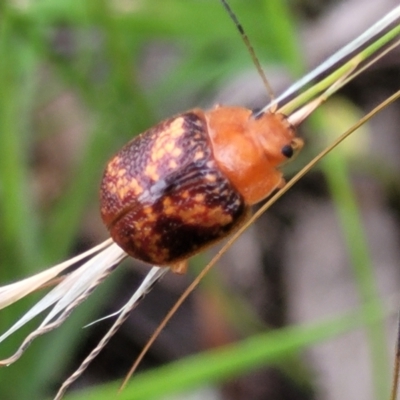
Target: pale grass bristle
x: 68, y: 294
x: 153, y: 276
x: 11, y: 293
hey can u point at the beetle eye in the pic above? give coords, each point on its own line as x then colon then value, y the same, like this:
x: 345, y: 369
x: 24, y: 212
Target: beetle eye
x: 287, y: 151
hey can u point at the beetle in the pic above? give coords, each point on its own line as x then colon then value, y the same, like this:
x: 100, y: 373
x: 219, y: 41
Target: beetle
x: 189, y: 181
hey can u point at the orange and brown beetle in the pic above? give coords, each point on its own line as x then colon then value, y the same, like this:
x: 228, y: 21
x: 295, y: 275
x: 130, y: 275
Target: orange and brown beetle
x: 190, y: 180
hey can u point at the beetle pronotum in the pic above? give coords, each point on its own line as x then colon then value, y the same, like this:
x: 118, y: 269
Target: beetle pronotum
x: 89, y: 276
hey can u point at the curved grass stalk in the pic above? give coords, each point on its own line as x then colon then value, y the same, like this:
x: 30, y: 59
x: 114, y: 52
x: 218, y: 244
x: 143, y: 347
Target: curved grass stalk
x: 248, y: 223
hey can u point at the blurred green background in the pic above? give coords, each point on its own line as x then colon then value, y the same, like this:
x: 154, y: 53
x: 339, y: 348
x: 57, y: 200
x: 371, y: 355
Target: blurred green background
x: 79, y: 78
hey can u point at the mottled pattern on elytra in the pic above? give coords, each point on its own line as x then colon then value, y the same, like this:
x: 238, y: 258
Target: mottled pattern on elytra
x: 163, y: 197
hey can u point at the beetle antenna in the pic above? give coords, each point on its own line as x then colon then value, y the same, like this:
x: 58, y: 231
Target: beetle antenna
x: 250, y: 48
